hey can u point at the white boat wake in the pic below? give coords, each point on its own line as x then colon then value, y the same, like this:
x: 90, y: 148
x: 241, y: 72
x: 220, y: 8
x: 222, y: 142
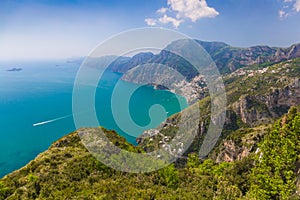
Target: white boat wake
x: 50, y: 121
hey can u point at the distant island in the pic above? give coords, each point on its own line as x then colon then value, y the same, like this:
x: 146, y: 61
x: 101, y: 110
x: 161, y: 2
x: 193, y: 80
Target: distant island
x: 14, y: 69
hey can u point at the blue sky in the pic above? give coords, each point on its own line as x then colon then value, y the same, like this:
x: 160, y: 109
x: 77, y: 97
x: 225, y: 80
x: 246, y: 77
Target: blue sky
x: 47, y: 29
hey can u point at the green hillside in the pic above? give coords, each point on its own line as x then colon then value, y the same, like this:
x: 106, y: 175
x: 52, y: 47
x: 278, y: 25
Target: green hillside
x: 255, y: 97
x: 68, y: 171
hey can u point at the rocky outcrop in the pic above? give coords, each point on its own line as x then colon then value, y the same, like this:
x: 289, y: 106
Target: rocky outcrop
x: 262, y: 108
x: 248, y: 109
x: 240, y: 144
x: 231, y: 152
x: 287, y: 53
x: 282, y: 98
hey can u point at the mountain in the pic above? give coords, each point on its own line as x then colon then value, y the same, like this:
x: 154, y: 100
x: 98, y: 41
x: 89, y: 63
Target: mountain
x: 226, y: 57
x: 123, y: 64
x: 229, y: 59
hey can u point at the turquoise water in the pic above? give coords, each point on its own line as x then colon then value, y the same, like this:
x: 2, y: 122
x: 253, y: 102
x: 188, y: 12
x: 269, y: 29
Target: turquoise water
x: 42, y: 91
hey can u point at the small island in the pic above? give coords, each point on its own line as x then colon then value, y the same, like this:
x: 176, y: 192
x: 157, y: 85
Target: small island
x: 14, y: 69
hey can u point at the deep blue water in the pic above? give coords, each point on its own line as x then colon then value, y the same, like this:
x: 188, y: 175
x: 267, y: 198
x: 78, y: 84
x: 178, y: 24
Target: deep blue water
x: 43, y: 91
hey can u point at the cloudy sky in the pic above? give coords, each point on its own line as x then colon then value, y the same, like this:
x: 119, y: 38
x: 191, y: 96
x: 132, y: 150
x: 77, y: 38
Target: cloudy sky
x: 48, y: 29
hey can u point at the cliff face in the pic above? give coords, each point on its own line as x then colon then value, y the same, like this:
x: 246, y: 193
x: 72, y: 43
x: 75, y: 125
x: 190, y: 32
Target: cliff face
x: 240, y: 144
x: 262, y: 108
x: 250, y: 110
x: 231, y: 152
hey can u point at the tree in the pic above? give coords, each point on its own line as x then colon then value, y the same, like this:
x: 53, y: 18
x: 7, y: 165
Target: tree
x: 170, y: 175
x: 273, y: 176
x: 3, y: 191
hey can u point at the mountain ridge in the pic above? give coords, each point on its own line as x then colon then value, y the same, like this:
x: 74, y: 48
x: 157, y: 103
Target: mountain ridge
x: 226, y: 57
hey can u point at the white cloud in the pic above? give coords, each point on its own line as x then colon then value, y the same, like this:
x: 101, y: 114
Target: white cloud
x: 151, y: 21
x: 162, y: 10
x: 166, y: 19
x: 192, y: 9
x: 283, y: 14
x: 297, y: 5
x: 180, y: 10
x: 290, y: 7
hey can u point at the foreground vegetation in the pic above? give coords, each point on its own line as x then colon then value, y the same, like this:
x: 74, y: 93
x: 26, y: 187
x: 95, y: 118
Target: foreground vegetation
x: 68, y: 171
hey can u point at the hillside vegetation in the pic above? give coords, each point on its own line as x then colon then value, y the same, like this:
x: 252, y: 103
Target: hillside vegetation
x: 255, y: 99
x: 68, y: 171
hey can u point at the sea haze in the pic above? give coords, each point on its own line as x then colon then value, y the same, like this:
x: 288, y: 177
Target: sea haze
x: 42, y: 92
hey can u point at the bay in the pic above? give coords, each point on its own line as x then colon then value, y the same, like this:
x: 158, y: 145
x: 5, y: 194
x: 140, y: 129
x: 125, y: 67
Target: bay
x: 42, y: 91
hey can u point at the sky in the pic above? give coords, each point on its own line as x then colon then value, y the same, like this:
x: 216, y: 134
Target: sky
x: 54, y: 29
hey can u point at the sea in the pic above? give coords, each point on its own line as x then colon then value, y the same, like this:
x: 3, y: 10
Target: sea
x: 36, y: 108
